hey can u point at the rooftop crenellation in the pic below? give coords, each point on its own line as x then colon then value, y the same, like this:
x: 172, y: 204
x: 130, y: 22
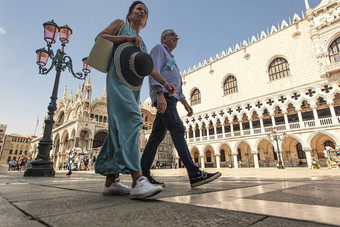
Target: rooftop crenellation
x: 238, y: 46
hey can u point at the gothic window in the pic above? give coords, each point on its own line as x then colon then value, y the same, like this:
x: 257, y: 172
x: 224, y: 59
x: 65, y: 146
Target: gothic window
x: 222, y: 156
x: 278, y: 69
x: 99, y: 139
x: 333, y: 51
x: 195, y: 97
x: 208, y: 156
x: 301, y: 153
x: 230, y: 85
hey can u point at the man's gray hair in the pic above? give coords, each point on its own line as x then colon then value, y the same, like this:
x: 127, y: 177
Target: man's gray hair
x: 165, y: 32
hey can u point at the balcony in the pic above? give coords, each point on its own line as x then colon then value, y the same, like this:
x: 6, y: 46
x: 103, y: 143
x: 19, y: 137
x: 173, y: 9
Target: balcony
x: 310, y: 124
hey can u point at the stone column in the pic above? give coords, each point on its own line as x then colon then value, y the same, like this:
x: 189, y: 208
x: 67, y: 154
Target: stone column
x: 251, y: 125
x: 241, y: 128
x: 286, y: 120
x: 208, y: 136
x: 200, y: 127
x: 316, y: 116
x: 334, y: 118
x: 91, y: 144
x: 223, y: 131
x: 218, y: 161
x: 231, y: 129
x: 256, y: 159
x: 194, y: 133
x: 235, y: 161
x: 202, y: 162
x: 261, y: 123
x: 58, y: 161
x: 308, y: 151
x: 302, y: 125
x: 215, y: 129
x: 273, y: 120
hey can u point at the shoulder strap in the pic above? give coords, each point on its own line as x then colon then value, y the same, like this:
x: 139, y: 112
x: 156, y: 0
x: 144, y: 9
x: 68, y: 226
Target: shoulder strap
x: 119, y: 28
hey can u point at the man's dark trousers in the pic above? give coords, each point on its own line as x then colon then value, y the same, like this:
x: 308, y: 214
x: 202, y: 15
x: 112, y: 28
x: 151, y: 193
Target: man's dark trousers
x: 171, y: 121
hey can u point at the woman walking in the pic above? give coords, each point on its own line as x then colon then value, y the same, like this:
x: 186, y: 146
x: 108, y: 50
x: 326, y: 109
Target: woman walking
x: 120, y: 151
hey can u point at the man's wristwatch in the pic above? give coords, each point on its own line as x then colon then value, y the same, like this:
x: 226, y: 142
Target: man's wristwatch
x: 160, y: 92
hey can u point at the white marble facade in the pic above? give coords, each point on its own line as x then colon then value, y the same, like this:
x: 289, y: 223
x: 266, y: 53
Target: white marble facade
x: 237, y: 103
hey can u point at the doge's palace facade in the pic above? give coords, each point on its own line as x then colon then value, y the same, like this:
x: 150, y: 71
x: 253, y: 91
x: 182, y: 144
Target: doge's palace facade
x: 285, y: 78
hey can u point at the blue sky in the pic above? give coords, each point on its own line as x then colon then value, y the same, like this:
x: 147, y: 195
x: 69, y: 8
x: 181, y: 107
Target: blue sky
x: 205, y: 28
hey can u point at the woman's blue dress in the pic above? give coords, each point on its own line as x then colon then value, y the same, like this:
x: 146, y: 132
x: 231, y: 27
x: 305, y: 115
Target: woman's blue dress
x: 120, y: 151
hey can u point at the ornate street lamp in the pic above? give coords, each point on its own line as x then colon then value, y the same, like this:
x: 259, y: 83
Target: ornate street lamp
x: 42, y: 166
x: 274, y: 137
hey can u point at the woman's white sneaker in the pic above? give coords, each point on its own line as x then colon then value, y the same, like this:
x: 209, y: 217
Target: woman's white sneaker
x: 144, y: 189
x: 116, y: 188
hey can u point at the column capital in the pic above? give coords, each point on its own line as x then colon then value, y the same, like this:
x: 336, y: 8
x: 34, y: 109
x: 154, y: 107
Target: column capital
x: 254, y: 152
x: 307, y: 149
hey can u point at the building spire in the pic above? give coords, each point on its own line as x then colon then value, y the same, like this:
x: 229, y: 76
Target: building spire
x: 104, y: 94
x: 64, y: 95
x: 307, y: 5
x: 88, y: 83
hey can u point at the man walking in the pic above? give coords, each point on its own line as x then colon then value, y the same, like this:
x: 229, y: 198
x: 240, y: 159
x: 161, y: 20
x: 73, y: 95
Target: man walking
x: 167, y: 117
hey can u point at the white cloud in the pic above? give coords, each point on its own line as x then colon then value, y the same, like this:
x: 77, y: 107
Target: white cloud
x: 2, y: 31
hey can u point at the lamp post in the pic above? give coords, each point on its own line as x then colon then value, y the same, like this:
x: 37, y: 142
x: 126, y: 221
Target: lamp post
x: 274, y: 137
x: 42, y: 166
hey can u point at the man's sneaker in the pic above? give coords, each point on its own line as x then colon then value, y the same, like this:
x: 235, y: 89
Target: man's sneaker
x: 144, y: 189
x: 116, y: 188
x: 154, y: 181
x: 203, y: 178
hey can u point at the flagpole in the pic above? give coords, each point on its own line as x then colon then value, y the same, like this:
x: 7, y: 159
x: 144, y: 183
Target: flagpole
x: 36, y: 126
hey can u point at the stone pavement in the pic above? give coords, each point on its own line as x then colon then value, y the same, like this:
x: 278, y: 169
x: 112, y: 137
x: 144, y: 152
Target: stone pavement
x: 241, y: 197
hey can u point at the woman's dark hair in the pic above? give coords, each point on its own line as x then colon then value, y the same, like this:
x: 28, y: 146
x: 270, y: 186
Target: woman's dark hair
x: 132, y: 6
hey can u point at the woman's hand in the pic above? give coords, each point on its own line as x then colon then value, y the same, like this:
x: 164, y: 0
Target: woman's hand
x: 135, y: 40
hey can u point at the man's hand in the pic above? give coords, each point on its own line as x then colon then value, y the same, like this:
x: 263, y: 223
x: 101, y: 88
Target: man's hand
x: 187, y: 107
x: 170, y: 88
x: 161, y: 103
x: 189, y: 110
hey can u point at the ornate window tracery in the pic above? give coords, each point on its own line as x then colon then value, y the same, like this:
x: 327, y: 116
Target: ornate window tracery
x: 334, y: 50
x: 230, y: 85
x: 195, y: 97
x: 278, y: 69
